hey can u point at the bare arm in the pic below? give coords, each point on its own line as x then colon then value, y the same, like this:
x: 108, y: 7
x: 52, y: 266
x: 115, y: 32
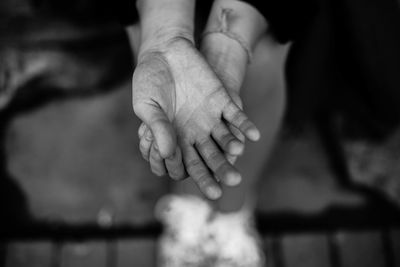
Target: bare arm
x: 183, y: 104
x: 231, y: 34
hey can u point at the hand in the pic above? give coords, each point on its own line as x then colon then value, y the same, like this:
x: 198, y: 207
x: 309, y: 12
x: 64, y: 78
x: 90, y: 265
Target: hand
x: 229, y: 61
x: 182, y: 101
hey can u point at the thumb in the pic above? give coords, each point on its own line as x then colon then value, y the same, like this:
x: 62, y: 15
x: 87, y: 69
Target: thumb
x: 163, y: 132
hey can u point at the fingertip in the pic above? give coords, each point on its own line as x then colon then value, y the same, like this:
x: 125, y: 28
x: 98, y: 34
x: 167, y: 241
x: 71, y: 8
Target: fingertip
x: 178, y: 177
x: 166, y: 150
x: 158, y: 173
x: 253, y: 134
x: 166, y: 141
x: 235, y: 148
x: 213, y: 192
x: 233, y: 179
x: 156, y: 162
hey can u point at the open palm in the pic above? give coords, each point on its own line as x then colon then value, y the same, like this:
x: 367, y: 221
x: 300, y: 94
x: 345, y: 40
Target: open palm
x: 186, y: 112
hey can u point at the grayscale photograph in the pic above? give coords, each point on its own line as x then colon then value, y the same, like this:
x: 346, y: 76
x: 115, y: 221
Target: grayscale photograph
x: 200, y: 133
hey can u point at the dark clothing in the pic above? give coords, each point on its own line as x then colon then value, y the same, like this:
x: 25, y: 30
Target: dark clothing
x: 345, y: 59
x: 82, y: 11
x: 345, y: 56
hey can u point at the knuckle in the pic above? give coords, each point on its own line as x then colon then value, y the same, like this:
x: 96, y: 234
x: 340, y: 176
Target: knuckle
x: 239, y: 117
x: 193, y: 165
x: 246, y: 125
x: 204, y: 180
x: 177, y: 175
x: 148, y: 136
x: 203, y: 142
x: 208, y: 150
x: 230, y: 108
x: 227, y: 138
x: 214, y: 155
x: 214, y: 158
x: 144, y: 142
x: 222, y: 168
x: 237, y: 133
x: 174, y: 159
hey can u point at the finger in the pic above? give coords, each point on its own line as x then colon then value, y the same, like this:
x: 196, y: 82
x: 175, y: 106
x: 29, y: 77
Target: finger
x: 235, y: 116
x: 226, y: 140
x: 217, y: 162
x: 199, y: 173
x: 156, y: 161
x: 142, y: 129
x: 155, y: 118
x: 145, y: 144
x: 236, y: 132
x: 175, y: 166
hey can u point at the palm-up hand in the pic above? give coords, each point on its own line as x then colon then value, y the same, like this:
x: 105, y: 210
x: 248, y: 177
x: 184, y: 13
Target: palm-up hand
x: 185, y: 107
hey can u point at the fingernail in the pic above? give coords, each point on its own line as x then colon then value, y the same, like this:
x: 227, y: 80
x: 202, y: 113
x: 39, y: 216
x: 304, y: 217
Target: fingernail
x: 253, y: 134
x: 213, y: 192
x: 233, y: 179
x: 236, y: 148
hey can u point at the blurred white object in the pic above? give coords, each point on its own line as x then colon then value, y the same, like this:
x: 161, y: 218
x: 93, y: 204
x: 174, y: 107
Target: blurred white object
x: 237, y: 240
x: 185, y: 219
x: 195, y: 235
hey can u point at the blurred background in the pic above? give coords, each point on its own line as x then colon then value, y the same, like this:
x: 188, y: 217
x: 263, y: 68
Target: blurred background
x: 76, y: 192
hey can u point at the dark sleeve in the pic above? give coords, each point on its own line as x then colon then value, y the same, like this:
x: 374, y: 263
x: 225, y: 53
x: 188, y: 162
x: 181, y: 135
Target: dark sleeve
x: 126, y: 12
x: 123, y: 11
x: 287, y: 19
x: 348, y: 62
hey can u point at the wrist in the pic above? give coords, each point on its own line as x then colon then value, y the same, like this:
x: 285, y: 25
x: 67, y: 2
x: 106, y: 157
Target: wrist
x: 166, y: 48
x: 227, y: 57
x: 238, y: 20
x: 165, y: 20
x: 163, y: 39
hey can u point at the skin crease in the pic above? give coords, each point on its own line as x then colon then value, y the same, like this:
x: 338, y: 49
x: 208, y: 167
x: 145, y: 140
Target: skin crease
x: 207, y: 122
x: 180, y: 98
x: 196, y: 111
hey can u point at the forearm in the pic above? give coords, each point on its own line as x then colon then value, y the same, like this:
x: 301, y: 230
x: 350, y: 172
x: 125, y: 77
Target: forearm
x: 232, y: 32
x: 164, y: 20
x: 238, y: 18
